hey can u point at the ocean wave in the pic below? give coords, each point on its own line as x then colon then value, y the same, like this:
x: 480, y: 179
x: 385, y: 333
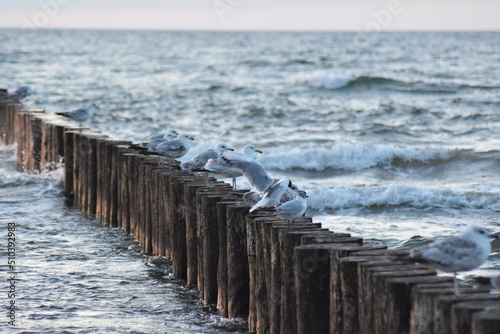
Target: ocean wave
x: 346, y: 197
x: 331, y: 81
x: 353, y: 157
x: 327, y: 80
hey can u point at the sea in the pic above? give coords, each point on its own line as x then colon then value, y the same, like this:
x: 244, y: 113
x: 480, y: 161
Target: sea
x: 395, y: 137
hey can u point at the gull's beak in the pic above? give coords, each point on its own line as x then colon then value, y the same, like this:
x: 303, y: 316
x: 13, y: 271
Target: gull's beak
x: 191, y: 138
x: 494, y: 236
x: 230, y: 149
x: 258, y: 151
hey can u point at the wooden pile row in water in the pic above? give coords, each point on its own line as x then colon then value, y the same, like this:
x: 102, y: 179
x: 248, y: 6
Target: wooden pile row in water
x: 302, y: 280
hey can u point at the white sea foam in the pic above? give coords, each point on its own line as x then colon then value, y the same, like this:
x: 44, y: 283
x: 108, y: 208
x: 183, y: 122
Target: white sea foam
x: 348, y: 196
x: 350, y: 157
x: 330, y: 81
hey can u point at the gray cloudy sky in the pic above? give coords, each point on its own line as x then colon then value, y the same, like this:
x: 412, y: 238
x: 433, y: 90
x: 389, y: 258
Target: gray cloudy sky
x: 364, y: 15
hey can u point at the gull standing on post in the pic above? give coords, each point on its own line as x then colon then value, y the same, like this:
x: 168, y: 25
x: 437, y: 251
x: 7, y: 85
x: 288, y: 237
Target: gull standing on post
x: 80, y: 115
x: 170, y: 134
x: 293, y: 209
x: 459, y: 253
x: 198, y: 162
x: 20, y: 93
x: 223, y: 167
x: 273, y: 194
x: 157, y: 139
x: 176, y: 148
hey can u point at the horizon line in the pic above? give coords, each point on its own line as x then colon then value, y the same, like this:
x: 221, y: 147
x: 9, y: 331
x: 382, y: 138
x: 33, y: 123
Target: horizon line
x: 247, y: 30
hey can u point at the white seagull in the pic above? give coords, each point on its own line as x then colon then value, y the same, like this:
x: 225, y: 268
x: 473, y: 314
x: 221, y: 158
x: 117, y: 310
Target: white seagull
x: 157, y: 139
x: 293, y: 209
x: 20, y: 93
x: 253, y: 170
x: 176, y: 148
x: 464, y: 252
x: 168, y: 135
x: 198, y: 162
x: 223, y: 167
x: 273, y: 194
x: 80, y: 115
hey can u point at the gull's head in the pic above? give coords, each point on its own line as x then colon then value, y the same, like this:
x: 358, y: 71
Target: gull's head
x: 26, y: 90
x: 250, y: 150
x: 221, y: 148
x: 480, y: 233
x: 184, y: 137
x: 170, y: 134
x: 302, y: 194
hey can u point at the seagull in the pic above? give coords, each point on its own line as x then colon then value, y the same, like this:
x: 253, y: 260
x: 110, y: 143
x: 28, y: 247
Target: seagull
x: 223, y: 167
x: 198, y: 162
x: 459, y: 253
x: 156, y: 140
x: 168, y: 135
x: 248, y: 165
x: 175, y: 148
x: 273, y: 194
x: 293, y: 209
x: 20, y: 93
x: 80, y: 115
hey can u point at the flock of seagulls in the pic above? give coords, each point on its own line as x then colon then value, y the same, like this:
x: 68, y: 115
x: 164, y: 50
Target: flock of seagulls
x: 464, y: 252
x: 281, y: 195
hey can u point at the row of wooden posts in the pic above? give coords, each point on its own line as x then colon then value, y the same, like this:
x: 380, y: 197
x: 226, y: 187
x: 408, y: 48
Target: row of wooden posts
x: 302, y: 280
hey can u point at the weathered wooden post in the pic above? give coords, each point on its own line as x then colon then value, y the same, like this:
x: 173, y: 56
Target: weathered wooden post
x: 222, y: 266
x: 424, y: 297
x: 237, y: 260
x: 209, y: 237
x: 486, y: 322
x: 190, y: 190
x: 442, y: 308
x: 288, y: 240
x: 462, y: 314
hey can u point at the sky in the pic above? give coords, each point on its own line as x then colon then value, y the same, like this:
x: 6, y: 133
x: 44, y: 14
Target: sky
x: 295, y: 15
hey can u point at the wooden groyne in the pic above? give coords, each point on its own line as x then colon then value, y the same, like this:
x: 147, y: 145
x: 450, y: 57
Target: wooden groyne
x: 305, y: 280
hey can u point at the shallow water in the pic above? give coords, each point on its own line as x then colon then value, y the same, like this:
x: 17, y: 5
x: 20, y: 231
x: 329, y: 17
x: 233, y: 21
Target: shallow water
x: 75, y: 275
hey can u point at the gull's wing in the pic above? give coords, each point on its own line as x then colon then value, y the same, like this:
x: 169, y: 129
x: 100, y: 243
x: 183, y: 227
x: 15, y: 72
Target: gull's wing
x: 222, y: 167
x: 199, y: 161
x: 253, y: 171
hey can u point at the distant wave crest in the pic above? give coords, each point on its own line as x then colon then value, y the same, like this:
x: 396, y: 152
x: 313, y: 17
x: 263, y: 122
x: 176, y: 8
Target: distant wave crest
x: 351, y: 157
x: 331, y: 81
x: 346, y: 197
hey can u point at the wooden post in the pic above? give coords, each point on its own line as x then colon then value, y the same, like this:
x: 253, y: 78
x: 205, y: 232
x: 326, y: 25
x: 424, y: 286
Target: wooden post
x: 237, y: 260
x: 178, y: 222
x: 392, y: 309
x: 209, y: 237
x: 424, y: 297
x: 259, y: 258
x: 486, y: 322
x: 288, y: 240
x: 222, y: 266
x: 344, y: 284
x: 444, y: 304
x: 113, y: 150
x: 312, y: 282
x: 190, y: 190
x: 68, y: 166
x: 462, y: 314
